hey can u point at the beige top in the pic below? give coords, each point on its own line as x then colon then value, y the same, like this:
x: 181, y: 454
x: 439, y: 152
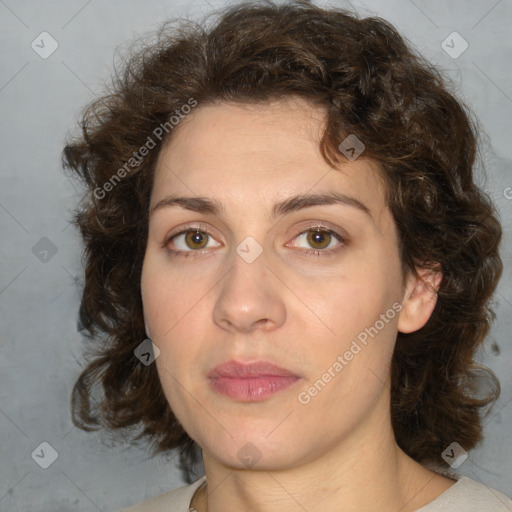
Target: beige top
x: 466, y: 495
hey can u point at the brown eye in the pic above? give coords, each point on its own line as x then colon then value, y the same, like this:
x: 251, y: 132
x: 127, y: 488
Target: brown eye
x: 190, y: 241
x: 319, y: 239
x: 196, y: 239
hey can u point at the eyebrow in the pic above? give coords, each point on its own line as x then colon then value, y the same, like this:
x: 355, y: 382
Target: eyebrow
x: 291, y: 204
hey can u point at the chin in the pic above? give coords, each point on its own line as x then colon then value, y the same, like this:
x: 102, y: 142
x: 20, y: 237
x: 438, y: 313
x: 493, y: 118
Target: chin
x: 253, y: 452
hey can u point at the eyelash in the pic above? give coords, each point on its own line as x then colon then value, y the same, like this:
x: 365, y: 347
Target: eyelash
x: 204, y: 230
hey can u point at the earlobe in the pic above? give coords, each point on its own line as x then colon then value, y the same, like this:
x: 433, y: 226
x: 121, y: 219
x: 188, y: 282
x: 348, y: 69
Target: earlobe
x: 146, y: 326
x: 419, y: 299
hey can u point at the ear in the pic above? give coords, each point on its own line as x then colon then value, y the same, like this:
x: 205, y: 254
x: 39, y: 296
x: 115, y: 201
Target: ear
x: 419, y: 299
x: 146, y: 327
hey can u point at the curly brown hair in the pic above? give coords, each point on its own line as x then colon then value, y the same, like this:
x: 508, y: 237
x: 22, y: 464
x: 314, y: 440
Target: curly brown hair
x: 373, y: 85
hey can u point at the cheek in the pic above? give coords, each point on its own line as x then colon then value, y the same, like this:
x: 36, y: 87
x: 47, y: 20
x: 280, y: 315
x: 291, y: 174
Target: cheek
x: 354, y: 298
x: 169, y: 299
x: 359, y: 308
x: 175, y: 308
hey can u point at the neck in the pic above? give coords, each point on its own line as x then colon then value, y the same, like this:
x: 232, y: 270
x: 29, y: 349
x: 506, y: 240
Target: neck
x: 365, y: 470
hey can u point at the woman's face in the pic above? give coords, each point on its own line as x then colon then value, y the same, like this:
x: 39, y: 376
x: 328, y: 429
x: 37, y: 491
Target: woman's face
x: 312, y: 286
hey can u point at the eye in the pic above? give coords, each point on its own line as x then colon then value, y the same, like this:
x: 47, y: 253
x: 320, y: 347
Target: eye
x: 190, y: 240
x: 321, y: 239
x: 194, y: 241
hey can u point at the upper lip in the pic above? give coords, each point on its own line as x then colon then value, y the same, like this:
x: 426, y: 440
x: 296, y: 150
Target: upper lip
x: 237, y: 369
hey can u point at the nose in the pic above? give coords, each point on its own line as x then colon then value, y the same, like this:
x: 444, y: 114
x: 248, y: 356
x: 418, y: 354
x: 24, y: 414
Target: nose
x: 250, y: 297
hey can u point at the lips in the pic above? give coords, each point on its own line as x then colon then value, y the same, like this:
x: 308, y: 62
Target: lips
x: 250, y: 382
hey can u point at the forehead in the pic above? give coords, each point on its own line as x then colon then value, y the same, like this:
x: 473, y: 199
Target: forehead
x: 234, y: 151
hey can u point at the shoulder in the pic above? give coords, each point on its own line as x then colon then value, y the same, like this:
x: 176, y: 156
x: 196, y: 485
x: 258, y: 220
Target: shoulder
x: 468, y: 495
x: 179, y: 499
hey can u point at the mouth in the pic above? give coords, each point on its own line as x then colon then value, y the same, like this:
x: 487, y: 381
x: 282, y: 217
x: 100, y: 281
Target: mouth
x: 250, y: 382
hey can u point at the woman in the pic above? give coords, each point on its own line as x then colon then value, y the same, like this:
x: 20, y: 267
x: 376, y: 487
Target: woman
x: 290, y: 264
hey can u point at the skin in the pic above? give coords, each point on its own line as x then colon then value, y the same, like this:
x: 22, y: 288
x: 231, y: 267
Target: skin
x: 297, y: 310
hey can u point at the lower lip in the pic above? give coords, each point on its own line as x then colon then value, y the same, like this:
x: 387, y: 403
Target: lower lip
x: 251, y: 389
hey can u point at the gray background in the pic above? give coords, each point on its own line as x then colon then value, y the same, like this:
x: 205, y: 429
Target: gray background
x: 40, y: 349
